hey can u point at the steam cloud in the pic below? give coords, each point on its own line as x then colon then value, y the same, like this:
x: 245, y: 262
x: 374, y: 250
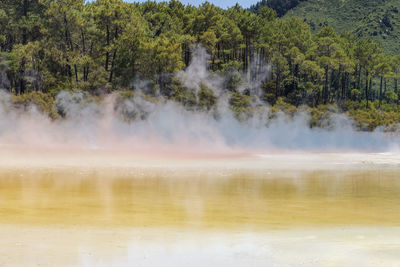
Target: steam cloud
x: 168, y: 127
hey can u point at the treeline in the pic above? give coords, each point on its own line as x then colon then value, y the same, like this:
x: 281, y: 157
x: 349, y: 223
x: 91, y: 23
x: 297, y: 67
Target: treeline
x: 103, y: 45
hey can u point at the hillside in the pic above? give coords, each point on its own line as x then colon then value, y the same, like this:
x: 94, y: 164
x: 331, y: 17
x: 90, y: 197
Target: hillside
x: 281, y: 7
x: 377, y: 19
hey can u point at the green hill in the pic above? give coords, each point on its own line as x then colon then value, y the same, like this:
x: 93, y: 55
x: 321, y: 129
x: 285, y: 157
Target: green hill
x: 281, y: 7
x: 377, y: 19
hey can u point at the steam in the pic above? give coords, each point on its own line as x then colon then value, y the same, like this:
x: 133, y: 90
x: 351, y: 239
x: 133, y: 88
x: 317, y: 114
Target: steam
x: 197, y: 74
x: 140, y: 125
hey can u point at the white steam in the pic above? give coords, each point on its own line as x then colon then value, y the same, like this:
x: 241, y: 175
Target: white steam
x: 141, y: 126
x: 197, y: 74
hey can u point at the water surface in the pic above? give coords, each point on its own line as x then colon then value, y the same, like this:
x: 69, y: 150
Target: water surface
x: 243, y: 200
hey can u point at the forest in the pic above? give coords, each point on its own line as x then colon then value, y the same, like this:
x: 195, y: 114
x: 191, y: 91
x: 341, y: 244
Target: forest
x: 106, y: 46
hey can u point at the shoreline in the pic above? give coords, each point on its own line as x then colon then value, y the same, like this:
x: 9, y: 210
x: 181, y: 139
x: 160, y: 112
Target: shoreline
x: 273, y: 161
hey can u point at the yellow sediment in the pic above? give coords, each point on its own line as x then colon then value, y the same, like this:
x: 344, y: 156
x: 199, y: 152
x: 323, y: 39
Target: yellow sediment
x: 99, y: 209
x: 201, y: 199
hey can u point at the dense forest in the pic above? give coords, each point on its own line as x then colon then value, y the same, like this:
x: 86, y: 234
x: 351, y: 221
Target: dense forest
x: 108, y: 45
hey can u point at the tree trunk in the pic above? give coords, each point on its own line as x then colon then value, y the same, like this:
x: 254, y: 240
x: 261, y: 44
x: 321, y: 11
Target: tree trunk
x: 366, y: 87
x: 21, y: 82
x: 84, y: 53
x: 384, y: 82
x: 380, y: 91
x: 370, y: 85
x: 85, y: 78
x: 277, y: 84
x: 112, y: 66
x: 25, y: 12
x: 326, y: 87
x: 343, y: 85
x: 396, y: 90
x: 21, y: 85
x: 359, y: 78
x: 346, y: 86
x: 76, y: 73
x: 108, y: 44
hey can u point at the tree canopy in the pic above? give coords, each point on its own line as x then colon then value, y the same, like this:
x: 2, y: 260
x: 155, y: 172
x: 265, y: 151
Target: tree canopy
x: 105, y: 45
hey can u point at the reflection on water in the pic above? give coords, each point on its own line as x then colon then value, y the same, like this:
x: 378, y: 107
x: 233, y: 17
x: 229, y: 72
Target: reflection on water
x: 254, y: 200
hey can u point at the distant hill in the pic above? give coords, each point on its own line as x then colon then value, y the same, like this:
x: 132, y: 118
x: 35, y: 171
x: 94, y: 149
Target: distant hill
x: 280, y: 6
x: 378, y: 19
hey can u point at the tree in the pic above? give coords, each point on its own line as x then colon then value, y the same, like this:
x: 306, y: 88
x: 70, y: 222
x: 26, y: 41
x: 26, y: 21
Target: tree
x: 106, y: 45
x: 395, y: 64
x: 344, y: 67
x: 327, y: 47
x: 366, y: 53
x: 381, y: 69
x: 167, y: 55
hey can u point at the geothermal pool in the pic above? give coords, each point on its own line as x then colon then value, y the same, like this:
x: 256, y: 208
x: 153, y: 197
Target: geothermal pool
x: 340, y: 214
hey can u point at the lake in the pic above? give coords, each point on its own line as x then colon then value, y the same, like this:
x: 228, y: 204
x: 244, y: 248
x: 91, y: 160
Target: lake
x: 168, y: 216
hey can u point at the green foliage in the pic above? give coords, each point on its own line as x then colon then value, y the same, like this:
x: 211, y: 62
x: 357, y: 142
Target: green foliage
x: 355, y: 94
x: 321, y: 116
x: 44, y: 102
x: 379, y: 20
x: 282, y: 106
x: 391, y: 97
x: 206, y: 98
x: 123, y: 95
x: 279, y: 6
x: 105, y: 46
x: 241, y: 105
x: 182, y: 95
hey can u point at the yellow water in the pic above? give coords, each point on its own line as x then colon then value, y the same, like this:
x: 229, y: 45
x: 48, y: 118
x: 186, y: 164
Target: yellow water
x: 244, y: 200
